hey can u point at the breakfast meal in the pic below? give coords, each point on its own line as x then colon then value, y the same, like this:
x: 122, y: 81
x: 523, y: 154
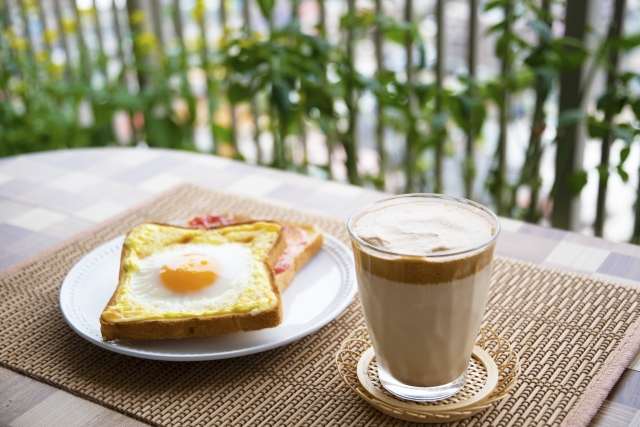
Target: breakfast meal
x: 178, y: 282
x: 303, y: 242
x: 424, y: 269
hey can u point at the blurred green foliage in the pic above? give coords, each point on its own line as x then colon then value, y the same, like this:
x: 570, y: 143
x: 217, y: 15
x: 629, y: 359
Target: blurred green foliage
x: 293, y: 80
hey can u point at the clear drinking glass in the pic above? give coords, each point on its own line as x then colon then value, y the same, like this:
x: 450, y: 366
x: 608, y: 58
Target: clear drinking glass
x: 423, y: 313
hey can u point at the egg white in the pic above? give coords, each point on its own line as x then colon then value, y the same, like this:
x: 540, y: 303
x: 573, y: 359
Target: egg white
x: 234, y: 276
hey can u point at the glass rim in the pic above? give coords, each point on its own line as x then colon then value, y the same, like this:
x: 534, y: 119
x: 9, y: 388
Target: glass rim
x: 462, y: 200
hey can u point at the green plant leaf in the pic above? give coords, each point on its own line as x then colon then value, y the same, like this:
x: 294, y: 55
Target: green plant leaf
x: 222, y: 134
x: 623, y: 132
x: 493, y: 4
x: 597, y: 128
x: 542, y: 29
x: 623, y: 174
x: 624, y: 154
x: 576, y: 181
x: 627, y: 76
x: 635, y: 107
x: 626, y: 42
x: 280, y: 96
x: 162, y: 132
x: 611, y: 102
x: 238, y: 93
x: 570, y: 53
x: 266, y: 7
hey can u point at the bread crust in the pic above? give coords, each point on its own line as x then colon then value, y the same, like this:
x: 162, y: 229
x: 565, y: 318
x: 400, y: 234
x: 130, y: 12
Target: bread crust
x: 197, y: 326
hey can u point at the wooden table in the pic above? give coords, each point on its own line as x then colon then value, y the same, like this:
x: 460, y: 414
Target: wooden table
x: 48, y: 197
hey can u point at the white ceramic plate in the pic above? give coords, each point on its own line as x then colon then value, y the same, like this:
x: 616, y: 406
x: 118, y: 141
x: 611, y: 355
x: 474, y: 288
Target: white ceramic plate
x: 319, y: 293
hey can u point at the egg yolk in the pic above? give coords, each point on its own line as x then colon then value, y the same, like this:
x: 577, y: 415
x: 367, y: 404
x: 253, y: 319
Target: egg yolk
x: 188, y: 273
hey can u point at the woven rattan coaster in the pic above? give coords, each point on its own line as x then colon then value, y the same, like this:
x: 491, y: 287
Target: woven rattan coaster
x: 493, y: 371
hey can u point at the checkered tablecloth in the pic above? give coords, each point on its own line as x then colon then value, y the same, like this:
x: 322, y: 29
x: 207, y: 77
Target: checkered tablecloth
x: 48, y: 197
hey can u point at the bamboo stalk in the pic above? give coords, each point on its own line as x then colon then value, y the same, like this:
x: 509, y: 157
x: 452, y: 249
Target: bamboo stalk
x: 569, y: 145
x: 469, y: 163
x: 279, y: 156
x: 254, y: 107
x: 102, y: 59
x: 615, y: 30
x: 134, y: 6
x: 28, y: 36
x: 96, y: 22
x: 116, y: 22
x: 177, y: 26
x: 409, y: 144
x: 177, y: 22
x: 4, y: 14
x: 378, y: 40
x: 204, y: 58
x: 204, y: 48
x: 156, y: 16
x: 85, y: 62
x: 531, y: 168
x: 63, y: 36
x: 47, y: 42
x: 6, y: 22
x: 501, y: 169
x: 329, y: 141
x: 534, y: 153
x: 323, y: 18
x: 439, y: 85
x: 350, y: 140
x: 234, y: 128
x: 295, y: 5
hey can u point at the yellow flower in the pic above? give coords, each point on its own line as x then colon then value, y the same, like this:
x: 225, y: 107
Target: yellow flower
x: 28, y: 4
x: 50, y: 36
x: 258, y: 37
x: 55, y: 70
x: 9, y: 34
x: 225, y: 39
x: 146, y: 42
x: 69, y: 25
x: 219, y: 73
x: 42, y: 56
x: 19, y: 87
x: 367, y: 18
x: 245, y: 43
x: 136, y: 17
x: 198, y: 10
x: 193, y: 44
x: 18, y: 43
x: 87, y: 12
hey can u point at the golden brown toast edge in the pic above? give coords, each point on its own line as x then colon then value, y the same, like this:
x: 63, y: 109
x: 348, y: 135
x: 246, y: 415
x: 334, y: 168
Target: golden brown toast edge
x: 285, y: 278
x: 197, y: 326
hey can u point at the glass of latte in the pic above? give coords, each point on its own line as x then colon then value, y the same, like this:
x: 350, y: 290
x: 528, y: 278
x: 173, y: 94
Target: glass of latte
x: 423, y: 264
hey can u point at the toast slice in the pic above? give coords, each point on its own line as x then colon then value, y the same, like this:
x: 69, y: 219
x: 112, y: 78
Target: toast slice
x: 178, y: 282
x: 303, y: 242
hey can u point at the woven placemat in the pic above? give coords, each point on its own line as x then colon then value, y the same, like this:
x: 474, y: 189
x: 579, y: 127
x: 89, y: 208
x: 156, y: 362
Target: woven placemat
x: 574, y: 335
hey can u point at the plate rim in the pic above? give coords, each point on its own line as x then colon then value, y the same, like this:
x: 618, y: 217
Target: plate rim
x: 336, y: 249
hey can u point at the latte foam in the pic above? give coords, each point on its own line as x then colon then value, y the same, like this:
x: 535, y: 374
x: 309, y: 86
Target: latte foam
x: 423, y: 228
